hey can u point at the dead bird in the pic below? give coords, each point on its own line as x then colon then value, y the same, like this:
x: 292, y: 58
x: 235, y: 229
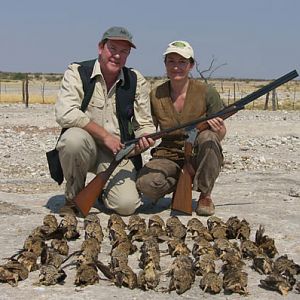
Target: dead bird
x: 61, y: 246
x: 211, y: 282
x: 49, y: 226
x: 125, y: 246
x: 150, y: 252
x: 125, y: 276
x: 68, y: 224
x: 223, y: 246
x: 91, y: 245
x: 204, y: 264
x: 50, y: 275
x: 91, y: 218
x: 117, y: 233
x: 181, y: 262
x: 149, y: 277
x: 243, y: 233
x: 235, y: 281
x: 50, y: 256
x: 276, y: 282
x: 194, y: 227
x: 219, y: 231
x: 86, y: 274
x: 181, y: 280
x: 28, y: 260
x: 94, y: 230
x: 233, y: 225
x: 263, y: 264
x: 156, y: 220
x: 265, y: 243
x: 50, y: 221
x: 175, y: 229
x: 156, y: 228
x: 201, y: 247
x: 177, y: 247
x: 34, y: 244
x: 137, y: 228
x: 249, y: 249
x: 12, y: 272
x: 115, y: 219
x: 182, y: 274
x: 284, y: 265
x: 232, y: 261
x: 214, y: 221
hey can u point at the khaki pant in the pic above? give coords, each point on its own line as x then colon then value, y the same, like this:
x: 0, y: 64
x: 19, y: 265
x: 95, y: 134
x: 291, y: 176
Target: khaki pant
x: 80, y: 154
x: 159, y: 176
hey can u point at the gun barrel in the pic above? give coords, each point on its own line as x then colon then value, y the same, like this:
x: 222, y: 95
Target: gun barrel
x: 234, y: 107
x: 266, y: 89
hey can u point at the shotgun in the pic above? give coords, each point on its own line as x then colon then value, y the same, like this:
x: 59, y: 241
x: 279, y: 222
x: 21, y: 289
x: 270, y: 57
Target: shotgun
x: 182, y: 197
x: 88, y: 195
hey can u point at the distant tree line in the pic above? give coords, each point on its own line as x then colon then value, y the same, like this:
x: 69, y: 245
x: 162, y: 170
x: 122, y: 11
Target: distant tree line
x: 8, y: 76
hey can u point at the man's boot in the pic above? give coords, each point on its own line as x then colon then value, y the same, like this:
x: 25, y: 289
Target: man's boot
x: 205, y: 206
x: 68, y: 208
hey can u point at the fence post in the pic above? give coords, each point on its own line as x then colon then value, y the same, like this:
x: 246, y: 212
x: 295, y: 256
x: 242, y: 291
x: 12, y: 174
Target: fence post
x: 267, y: 101
x: 274, y: 99
x: 26, y: 91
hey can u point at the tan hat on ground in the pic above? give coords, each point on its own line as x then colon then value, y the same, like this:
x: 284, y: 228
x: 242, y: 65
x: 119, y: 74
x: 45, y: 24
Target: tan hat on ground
x: 118, y: 33
x: 182, y: 48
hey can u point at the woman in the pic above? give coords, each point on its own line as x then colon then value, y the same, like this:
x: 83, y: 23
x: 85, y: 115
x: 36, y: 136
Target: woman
x: 177, y: 101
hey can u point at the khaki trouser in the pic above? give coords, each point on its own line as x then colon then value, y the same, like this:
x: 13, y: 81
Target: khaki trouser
x: 159, y: 176
x: 80, y: 154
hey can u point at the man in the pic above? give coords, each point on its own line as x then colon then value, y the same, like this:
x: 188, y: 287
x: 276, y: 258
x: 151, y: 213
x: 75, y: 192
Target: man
x: 93, y: 137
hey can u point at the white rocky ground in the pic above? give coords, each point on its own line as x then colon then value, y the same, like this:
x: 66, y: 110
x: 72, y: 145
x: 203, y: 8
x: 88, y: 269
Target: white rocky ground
x: 260, y: 182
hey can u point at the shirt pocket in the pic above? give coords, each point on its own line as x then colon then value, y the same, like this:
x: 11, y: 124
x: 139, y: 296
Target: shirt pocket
x: 96, y: 110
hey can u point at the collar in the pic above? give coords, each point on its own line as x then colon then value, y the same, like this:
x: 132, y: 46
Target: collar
x: 97, y: 72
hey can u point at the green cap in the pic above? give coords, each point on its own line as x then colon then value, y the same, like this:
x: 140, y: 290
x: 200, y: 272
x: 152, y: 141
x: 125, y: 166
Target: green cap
x: 118, y: 33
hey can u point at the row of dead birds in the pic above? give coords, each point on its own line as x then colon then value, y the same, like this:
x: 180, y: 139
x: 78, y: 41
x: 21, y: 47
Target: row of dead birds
x: 227, y: 241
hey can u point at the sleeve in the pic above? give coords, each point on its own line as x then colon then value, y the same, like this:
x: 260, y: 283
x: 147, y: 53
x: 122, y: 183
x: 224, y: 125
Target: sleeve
x: 142, y: 122
x: 67, y: 107
x: 213, y: 102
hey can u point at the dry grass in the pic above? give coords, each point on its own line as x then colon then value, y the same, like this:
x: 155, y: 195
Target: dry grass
x: 287, y: 95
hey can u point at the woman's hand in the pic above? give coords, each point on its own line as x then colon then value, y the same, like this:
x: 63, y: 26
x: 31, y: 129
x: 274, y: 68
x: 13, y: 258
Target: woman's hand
x: 217, y: 125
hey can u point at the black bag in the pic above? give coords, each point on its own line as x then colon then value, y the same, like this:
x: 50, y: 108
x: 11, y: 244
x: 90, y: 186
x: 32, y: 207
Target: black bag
x: 85, y: 70
x: 54, y: 165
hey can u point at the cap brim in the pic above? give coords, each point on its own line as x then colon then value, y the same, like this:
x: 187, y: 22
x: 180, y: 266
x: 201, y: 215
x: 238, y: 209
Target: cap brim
x: 122, y: 39
x: 178, y: 52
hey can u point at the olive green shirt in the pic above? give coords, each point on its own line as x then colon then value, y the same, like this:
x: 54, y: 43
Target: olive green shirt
x: 201, y: 100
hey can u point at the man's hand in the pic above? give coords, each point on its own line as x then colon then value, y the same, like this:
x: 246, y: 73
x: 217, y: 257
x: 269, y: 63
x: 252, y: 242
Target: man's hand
x: 113, y: 143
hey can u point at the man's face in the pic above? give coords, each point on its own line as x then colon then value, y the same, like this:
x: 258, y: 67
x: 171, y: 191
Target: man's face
x: 113, y: 55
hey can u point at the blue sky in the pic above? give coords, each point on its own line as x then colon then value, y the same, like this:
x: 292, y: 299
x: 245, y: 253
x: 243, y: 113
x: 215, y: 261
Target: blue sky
x: 255, y: 39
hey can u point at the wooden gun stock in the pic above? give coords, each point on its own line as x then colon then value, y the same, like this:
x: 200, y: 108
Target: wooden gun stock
x: 182, y: 197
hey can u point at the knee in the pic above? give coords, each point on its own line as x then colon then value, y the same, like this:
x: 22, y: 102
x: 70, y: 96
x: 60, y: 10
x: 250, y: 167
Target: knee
x: 207, y: 136
x: 126, y: 206
x: 73, y: 141
x: 153, y: 186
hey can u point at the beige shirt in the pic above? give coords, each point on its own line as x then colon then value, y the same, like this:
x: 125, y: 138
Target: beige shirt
x: 102, y: 106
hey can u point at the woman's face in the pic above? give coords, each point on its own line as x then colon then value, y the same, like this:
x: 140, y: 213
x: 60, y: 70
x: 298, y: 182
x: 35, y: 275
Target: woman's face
x: 177, y: 66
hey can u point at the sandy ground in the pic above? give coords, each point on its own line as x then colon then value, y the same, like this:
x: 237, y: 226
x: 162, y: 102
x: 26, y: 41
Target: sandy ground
x: 260, y: 182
